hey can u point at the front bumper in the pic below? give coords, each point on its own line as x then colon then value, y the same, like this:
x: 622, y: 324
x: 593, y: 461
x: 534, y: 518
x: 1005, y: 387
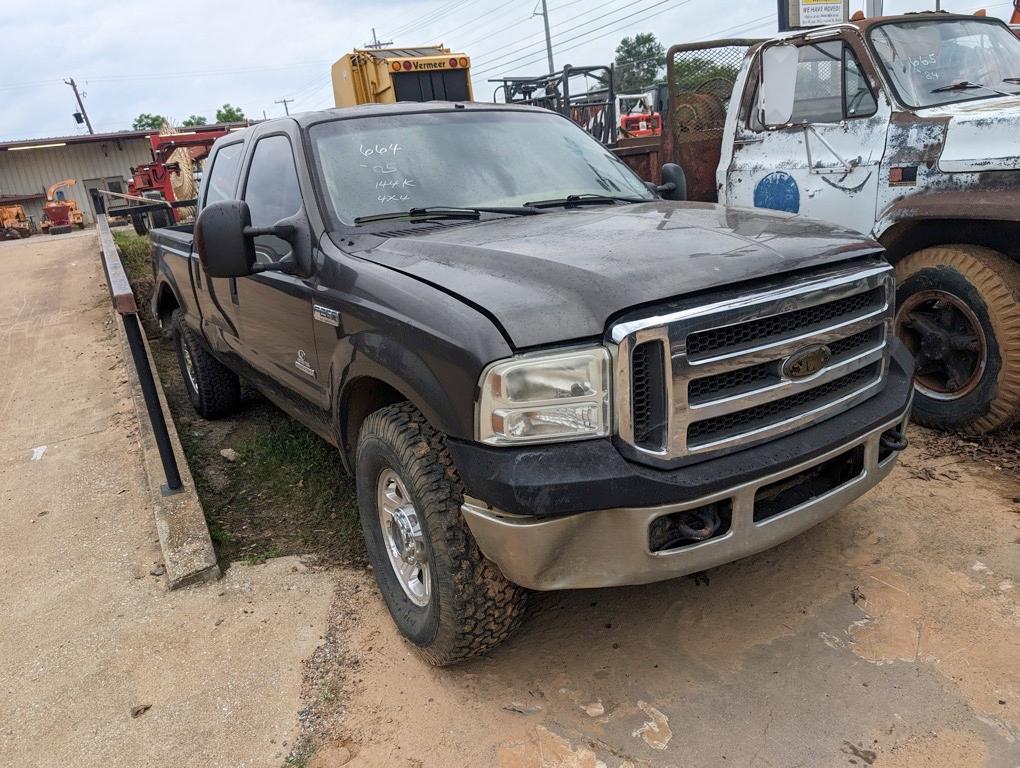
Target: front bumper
x: 610, y: 547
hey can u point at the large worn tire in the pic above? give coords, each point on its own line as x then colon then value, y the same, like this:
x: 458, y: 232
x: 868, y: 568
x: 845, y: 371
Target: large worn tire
x: 984, y: 286
x: 213, y: 389
x: 470, y: 607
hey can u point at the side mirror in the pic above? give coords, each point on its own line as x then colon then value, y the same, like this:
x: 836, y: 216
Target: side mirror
x: 778, y: 80
x: 674, y: 182
x: 224, y: 246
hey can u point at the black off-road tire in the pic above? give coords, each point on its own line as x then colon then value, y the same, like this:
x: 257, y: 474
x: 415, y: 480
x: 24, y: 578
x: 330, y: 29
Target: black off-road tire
x: 988, y: 283
x: 473, y: 607
x: 216, y: 390
x: 140, y: 224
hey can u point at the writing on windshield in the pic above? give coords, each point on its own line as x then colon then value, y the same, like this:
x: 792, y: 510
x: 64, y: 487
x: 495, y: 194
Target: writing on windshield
x: 922, y: 56
x: 390, y: 163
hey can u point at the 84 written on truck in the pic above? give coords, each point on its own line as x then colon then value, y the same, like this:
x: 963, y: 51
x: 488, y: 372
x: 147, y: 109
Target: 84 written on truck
x: 449, y: 293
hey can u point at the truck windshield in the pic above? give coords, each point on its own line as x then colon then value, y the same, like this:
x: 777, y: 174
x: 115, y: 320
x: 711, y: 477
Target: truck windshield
x: 921, y: 58
x: 387, y: 164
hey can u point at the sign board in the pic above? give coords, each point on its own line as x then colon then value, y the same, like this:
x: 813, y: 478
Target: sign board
x: 804, y: 14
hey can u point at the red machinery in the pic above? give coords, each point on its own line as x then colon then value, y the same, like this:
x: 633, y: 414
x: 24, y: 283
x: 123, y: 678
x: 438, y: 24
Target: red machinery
x: 155, y: 178
x: 641, y: 124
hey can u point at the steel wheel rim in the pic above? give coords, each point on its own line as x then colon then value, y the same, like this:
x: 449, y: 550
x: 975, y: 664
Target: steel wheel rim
x: 947, y: 342
x: 403, y: 538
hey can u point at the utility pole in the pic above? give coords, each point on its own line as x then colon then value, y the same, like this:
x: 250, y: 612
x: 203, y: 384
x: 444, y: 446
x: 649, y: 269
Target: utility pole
x: 548, y: 40
x: 81, y: 106
x: 376, y: 42
x: 285, y: 102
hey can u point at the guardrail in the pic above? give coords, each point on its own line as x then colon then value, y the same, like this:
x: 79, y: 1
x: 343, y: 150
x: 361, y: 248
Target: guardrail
x: 127, y: 307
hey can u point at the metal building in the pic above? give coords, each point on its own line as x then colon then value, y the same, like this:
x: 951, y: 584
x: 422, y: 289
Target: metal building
x: 99, y: 161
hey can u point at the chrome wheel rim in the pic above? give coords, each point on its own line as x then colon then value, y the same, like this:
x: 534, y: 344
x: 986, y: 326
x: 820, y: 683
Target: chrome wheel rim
x: 189, y: 366
x: 947, y: 341
x: 403, y: 538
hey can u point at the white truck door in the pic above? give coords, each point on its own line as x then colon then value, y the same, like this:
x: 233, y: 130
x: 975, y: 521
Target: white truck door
x: 824, y: 163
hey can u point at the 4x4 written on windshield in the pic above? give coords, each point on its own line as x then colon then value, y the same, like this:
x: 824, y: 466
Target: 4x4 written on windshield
x: 392, y: 185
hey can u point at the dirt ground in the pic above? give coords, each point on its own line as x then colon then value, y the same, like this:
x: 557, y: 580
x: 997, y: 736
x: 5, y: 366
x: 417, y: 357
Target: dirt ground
x: 99, y: 664
x: 886, y: 636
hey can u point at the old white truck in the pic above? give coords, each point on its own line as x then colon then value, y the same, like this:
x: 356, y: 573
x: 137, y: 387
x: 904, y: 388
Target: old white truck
x: 904, y: 127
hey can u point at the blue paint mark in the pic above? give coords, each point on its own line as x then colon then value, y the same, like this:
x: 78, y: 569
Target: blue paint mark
x: 778, y: 192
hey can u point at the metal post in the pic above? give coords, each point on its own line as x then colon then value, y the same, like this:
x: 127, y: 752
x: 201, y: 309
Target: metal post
x: 548, y: 39
x: 81, y: 106
x: 166, y: 450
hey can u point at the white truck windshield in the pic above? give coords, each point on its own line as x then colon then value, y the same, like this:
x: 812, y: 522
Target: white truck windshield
x: 939, y: 62
x: 393, y: 163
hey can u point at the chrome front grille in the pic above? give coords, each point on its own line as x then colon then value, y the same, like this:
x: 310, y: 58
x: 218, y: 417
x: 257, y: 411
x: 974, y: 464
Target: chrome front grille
x: 708, y: 377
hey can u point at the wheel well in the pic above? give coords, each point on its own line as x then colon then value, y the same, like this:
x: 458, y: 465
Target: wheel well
x: 166, y: 303
x: 362, y: 397
x: 906, y: 237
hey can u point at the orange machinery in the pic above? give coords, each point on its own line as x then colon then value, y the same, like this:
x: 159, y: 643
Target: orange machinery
x: 59, y: 213
x: 14, y: 222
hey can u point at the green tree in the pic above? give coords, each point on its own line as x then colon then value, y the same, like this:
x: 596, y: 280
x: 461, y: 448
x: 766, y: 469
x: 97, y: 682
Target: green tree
x: 195, y: 120
x: 639, y: 60
x: 229, y: 114
x: 145, y: 122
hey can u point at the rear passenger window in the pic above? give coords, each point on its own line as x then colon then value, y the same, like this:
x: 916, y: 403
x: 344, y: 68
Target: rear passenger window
x: 272, y: 193
x: 220, y: 184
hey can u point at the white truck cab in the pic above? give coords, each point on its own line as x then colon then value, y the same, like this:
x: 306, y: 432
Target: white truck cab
x: 904, y: 127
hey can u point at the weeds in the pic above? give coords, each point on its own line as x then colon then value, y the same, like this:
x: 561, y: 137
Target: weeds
x: 286, y: 494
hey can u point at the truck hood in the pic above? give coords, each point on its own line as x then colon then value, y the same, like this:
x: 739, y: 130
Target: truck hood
x: 561, y: 276
x: 981, y: 135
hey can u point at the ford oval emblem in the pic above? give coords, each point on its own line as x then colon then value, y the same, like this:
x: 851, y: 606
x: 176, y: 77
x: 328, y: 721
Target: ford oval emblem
x: 806, y: 362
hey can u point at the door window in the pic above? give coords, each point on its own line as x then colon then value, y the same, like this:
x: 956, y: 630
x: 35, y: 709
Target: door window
x: 831, y: 87
x: 221, y: 181
x: 272, y: 193
x: 860, y: 101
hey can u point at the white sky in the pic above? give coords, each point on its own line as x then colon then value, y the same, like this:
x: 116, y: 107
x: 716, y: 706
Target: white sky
x: 189, y: 57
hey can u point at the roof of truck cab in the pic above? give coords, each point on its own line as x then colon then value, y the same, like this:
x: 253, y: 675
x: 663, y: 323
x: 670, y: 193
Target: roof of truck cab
x: 407, y: 108
x: 305, y: 119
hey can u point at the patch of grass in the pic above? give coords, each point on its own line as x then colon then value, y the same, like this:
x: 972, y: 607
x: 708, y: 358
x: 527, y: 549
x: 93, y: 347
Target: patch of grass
x: 134, y: 254
x: 286, y: 494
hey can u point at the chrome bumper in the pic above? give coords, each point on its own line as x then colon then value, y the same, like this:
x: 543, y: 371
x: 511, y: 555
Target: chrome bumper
x: 609, y: 547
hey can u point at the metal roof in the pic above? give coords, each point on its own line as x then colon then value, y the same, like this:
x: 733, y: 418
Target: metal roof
x: 88, y: 138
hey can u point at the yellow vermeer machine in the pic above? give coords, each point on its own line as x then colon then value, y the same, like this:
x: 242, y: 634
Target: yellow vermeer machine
x: 388, y: 75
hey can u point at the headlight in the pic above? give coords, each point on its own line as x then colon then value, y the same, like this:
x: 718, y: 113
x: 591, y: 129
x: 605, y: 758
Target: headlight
x: 545, y: 398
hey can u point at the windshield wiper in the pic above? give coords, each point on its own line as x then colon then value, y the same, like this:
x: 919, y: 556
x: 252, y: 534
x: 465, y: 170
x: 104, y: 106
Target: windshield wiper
x: 587, y: 198
x: 447, y: 212
x: 966, y: 85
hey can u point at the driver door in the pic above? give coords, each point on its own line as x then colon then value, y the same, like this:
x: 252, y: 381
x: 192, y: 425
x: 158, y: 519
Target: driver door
x: 825, y: 163
x: 275, y: 308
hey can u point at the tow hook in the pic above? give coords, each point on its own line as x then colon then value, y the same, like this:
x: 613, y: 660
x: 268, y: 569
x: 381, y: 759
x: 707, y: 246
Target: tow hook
x: 893, y: 440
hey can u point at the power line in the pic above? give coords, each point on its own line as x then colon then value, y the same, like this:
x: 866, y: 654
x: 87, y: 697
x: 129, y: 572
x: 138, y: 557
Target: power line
x: 285, y: 102
x: 429, y: 17
x: 489, y: 35
x: 492, y: 67
x: 488, y: 54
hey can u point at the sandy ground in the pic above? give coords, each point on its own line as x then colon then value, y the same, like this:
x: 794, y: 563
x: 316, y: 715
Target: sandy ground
x: 88, y: 633
x: 887, y: 636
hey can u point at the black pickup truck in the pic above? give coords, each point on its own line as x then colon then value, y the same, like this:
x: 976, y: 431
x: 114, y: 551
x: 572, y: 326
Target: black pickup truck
x: 542, y: 374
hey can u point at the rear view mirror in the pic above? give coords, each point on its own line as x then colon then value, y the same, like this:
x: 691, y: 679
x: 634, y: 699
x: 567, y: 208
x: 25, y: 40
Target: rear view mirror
x: 224, y: 247
x: 778, y: 80
x: 674, y: 182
